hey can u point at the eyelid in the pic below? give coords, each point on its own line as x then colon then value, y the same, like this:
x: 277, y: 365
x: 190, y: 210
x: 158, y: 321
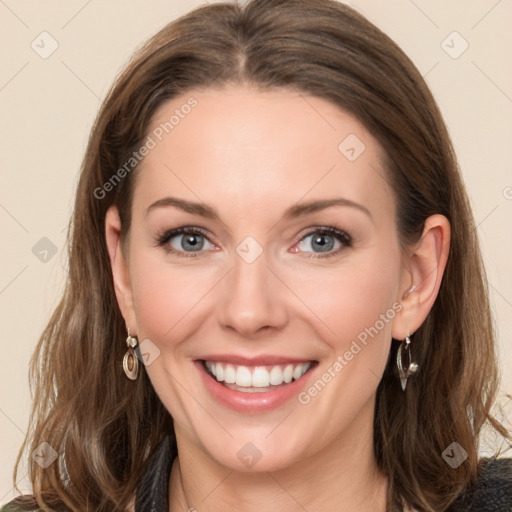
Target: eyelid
x: 162, y: 239
x: 343, y: 237
x: 325, y: 229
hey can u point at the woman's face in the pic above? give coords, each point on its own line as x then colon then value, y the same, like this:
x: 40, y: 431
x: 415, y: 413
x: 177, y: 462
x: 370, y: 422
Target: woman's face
x: 291, y: 262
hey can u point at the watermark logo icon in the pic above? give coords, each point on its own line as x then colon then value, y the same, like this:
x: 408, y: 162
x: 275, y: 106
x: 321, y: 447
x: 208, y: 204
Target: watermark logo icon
x: 351, y: 147
x: 249, y: 454
x: 44, y: 455
x: 44, y: 250
x: 454, y: 455
x: 147, y: 352
x: 249, y: 249
x: 44, y: 45
x: 454, y: 45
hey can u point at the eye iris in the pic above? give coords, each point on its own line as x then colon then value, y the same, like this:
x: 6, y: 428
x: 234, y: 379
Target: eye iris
x: 323, y: 246
x: 193, y: 242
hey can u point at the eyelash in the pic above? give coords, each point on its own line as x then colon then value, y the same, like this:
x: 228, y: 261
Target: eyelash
x: 163, y: 238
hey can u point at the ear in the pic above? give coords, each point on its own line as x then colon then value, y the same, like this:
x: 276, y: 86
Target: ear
x: 120, y: 269
x: 423, y: 271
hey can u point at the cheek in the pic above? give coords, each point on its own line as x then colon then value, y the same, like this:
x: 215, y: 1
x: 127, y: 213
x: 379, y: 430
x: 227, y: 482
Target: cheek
x: 339, y: 302
x: 352, y: 297
x: 171, y: 298
x: 163, y: 295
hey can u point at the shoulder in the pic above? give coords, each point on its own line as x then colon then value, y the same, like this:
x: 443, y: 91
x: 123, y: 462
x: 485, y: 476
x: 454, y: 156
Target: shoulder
x: 24, y: 503
x: 9, y: 508
x: 12, y: 506
x: 493, y: 489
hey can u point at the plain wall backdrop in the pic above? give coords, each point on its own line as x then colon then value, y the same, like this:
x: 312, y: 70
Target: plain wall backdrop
x: 58, y: 62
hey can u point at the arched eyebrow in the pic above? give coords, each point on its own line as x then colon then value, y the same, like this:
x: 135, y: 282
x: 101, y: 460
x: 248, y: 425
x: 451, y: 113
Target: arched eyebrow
x: 301, y: 209
x: 295, y: 211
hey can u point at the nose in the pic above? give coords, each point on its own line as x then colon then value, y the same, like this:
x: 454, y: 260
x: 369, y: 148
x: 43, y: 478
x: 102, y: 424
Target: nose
x: 254, y: 300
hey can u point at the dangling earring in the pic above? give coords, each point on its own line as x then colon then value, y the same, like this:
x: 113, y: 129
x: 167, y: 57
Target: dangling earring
x: 412, y: 367
x: 130, y: 360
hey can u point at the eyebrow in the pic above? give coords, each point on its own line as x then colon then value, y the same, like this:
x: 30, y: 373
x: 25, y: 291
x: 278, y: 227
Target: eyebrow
x: 293, y: 212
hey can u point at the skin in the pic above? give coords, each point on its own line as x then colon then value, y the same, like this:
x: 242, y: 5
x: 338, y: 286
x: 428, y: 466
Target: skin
x: 251, y: 155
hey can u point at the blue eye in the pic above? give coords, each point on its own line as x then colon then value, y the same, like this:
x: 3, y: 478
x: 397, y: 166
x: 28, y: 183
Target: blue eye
x: 324, y: 240
x: 191, y: 242
x: 188, y: 240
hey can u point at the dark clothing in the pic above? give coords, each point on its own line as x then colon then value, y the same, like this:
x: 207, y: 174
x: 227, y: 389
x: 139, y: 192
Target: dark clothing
x: 493, y: 492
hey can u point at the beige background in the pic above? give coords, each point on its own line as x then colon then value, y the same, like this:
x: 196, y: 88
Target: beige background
x: 48, y: 106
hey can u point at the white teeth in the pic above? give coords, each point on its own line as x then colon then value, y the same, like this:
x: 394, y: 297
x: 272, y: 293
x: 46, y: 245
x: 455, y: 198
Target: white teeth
x: 288, y: 374
x: 276, y: 376
x: 258, y: 376
x: 219, y: 372
x: 297, y: 372
x: 229, y: 374
x: 243, y: 376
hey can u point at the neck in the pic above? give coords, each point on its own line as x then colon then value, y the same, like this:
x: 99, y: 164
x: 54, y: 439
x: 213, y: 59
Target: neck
x: 344, y: 476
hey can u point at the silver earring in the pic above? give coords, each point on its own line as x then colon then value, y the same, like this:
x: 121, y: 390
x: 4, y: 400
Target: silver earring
x: 130, y: 360
x: 412, y: 368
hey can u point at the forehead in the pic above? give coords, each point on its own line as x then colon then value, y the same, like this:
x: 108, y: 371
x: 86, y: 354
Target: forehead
x: 241, y: 148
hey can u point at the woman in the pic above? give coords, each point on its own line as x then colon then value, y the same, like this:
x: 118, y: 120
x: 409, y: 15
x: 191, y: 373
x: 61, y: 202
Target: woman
x: 276, y: 297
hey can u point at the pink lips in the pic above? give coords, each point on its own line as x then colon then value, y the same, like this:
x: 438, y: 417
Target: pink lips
x: 257, y: 402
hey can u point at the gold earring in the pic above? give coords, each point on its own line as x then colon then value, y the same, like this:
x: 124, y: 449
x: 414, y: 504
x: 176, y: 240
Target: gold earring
x: 412, y: 367
x: 130, y: 360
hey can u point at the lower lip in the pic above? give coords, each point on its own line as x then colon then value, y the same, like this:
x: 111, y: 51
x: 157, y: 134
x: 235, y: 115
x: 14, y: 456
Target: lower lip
x: 252, y: 402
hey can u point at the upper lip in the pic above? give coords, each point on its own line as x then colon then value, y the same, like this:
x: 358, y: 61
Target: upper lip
x: 261, y: 360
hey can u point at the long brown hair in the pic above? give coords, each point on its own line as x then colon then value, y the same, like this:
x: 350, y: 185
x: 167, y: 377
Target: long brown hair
x: 103, y: 425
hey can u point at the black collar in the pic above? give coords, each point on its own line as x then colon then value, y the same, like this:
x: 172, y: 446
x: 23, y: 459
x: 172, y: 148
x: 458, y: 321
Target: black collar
x: 493, y: 490
x: 153, y: 489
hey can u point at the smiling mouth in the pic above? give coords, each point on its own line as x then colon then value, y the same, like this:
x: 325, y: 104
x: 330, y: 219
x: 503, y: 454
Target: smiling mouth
x: 256, y: 379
